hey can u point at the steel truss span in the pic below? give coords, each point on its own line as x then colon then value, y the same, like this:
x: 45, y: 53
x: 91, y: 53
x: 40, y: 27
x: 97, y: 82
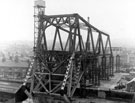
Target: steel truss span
x: 70, y: 53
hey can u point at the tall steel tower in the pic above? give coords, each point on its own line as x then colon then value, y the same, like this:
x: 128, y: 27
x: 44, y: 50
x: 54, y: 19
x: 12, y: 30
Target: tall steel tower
x: 39, y: 9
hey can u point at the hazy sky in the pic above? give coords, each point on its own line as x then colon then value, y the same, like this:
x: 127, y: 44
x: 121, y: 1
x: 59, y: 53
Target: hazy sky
x: 115, y: 17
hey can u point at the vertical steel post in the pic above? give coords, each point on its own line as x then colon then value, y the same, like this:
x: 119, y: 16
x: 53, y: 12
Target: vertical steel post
x: 117, y: 63
x: 111, y: 65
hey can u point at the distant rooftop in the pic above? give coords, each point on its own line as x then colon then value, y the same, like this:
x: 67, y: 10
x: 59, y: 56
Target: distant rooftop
x: 13, y: 64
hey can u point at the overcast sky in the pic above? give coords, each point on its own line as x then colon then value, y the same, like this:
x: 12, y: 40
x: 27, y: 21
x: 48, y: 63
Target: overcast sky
x: 115, y: 17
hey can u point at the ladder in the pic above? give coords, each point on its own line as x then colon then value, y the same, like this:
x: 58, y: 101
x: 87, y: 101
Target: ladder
x: 67, y: 71
x: 28, y: 72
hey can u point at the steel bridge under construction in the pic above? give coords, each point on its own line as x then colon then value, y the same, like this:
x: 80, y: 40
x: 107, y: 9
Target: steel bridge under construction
x: 70, y: 55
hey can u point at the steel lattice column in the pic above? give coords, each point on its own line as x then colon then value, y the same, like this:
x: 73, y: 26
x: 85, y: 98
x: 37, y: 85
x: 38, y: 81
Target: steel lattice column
x: 111, y: 65
x: 105, y: 74
x: 117, y: 63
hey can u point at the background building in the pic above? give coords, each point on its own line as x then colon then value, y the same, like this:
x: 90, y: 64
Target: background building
x: 13, y: 70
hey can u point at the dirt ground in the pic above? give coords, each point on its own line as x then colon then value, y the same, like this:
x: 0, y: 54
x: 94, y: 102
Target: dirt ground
x: 112, y: 82
x: 96, y: 100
